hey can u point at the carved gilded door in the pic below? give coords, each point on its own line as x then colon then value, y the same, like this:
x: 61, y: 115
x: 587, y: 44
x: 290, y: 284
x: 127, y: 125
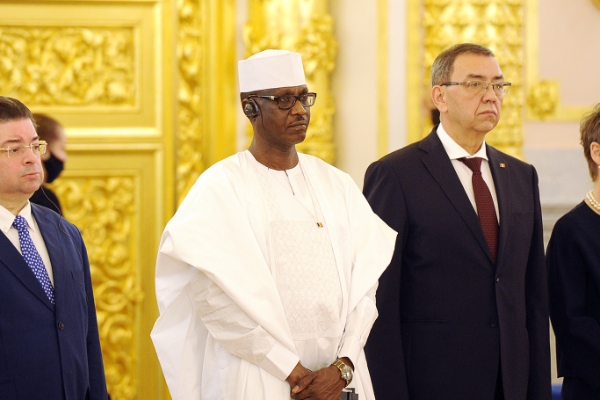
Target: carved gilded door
x: 146, y: 92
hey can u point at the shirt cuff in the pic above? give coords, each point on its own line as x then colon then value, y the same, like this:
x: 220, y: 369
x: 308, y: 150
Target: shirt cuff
x: 280, y: 361
x: 350, y: 348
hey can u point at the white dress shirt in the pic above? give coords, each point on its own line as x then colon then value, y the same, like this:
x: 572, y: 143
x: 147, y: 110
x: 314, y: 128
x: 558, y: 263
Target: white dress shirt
x: 6, y: 221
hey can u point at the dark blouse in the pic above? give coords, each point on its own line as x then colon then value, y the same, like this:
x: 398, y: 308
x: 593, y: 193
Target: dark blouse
x: 573, y: 260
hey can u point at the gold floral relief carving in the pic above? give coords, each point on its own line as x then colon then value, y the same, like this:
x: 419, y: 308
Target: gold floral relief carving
x: 190, y: 58
x: 317, y: 45
x: 543, y: 98
x: 68, y: 66
x: 305, y: 28
x: 103, y: 209
x: 495, y: 24
x: 318, y: 140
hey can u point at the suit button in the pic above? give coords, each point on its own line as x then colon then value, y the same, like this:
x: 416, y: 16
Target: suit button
x: 497, y: 278
x: 493, y: 324
x: 61, y: 326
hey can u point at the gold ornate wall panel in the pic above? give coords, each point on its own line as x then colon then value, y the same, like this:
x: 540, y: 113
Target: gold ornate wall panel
x: 91, y: 63
x: 102, y: 207
x: 103, y: 69
x: 63, y: 66
x: 497, y: 24
x: 303, y: 26
x: 111, y: 192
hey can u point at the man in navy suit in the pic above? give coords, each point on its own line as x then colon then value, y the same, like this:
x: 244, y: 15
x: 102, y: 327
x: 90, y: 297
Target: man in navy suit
x: 463, y: 311
x: 49, y: 344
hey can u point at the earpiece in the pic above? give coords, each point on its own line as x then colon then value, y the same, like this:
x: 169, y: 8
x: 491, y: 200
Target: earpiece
x: 251, y: 109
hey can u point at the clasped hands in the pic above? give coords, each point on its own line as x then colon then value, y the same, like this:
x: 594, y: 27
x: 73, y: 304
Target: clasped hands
x: 323, y: 384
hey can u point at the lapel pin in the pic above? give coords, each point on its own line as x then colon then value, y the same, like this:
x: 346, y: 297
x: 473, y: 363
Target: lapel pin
x: 502, y: 165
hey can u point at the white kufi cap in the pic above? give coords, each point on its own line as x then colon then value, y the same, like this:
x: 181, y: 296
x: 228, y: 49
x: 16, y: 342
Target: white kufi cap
x: 271, y: 69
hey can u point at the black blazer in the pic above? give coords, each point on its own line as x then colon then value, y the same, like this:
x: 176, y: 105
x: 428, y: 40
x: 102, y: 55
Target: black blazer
x: 573, y: 261
x: 448, y: 317
x: 49, y: 351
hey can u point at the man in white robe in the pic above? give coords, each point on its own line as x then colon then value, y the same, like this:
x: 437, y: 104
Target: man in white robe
x: 266, y: 275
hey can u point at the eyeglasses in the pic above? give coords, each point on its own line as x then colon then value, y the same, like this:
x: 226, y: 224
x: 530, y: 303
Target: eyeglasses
x: 288, y: 101
x: 16, y: 151
x: 479, y: 87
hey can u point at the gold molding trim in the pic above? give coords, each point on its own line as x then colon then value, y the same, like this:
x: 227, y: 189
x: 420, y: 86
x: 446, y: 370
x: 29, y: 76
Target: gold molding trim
x: 190, y: 58
x: 553, y: 110
x: 543, y: 98
x: 69, y: 66
x: 103, y: 208
x: 596, y: 3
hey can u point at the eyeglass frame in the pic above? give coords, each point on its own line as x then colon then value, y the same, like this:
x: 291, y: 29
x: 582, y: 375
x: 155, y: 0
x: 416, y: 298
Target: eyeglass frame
x: 42, y: 147
x: 296, y: 98
x: 501, y: 85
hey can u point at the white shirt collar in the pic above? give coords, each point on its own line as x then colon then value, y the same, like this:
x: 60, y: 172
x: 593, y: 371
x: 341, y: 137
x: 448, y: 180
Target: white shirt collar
x: 454, y: 150
x: 7, y: 218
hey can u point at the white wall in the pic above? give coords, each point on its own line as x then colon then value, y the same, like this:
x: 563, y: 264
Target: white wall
x: 397, y: 87
x: 355, y: 83
x: 569, y: 52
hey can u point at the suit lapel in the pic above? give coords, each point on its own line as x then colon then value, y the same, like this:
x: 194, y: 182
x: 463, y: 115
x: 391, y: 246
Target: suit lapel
x: 500, y: 168
x: 52, y: 238
x: 15, y: 263
x: 438, y: 163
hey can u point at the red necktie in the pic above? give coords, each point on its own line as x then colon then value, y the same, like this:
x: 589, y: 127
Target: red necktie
x: 485, y: 205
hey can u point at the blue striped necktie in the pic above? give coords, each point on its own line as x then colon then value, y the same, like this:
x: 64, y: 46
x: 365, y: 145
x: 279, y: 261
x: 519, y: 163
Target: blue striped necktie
x: 32, y: 257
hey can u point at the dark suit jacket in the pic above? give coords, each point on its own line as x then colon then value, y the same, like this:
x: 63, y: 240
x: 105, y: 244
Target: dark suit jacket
x: 448, y: 317
x: 46, y: 351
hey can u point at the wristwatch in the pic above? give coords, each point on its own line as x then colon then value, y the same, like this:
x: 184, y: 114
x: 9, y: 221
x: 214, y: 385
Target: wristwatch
x: 345, y: 370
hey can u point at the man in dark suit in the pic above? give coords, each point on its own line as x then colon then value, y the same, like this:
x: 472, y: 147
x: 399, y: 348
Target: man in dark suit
x: 49, y: 344
x: 463, y: 311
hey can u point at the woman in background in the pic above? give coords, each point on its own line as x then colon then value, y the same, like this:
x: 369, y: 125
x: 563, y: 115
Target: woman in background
x: 53, y: 133
x: 573, y: 260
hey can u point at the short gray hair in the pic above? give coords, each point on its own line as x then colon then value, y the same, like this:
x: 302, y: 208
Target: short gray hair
x: 443, y: 66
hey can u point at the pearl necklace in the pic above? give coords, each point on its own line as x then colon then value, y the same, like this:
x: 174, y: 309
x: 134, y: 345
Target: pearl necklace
x: 592, y: 201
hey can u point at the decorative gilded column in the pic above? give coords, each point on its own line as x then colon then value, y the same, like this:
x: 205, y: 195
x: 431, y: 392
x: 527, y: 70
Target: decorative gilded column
x: 206, y: 87
x: 190, y: 135
x: 303, y: 26
x: 496, y: 24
